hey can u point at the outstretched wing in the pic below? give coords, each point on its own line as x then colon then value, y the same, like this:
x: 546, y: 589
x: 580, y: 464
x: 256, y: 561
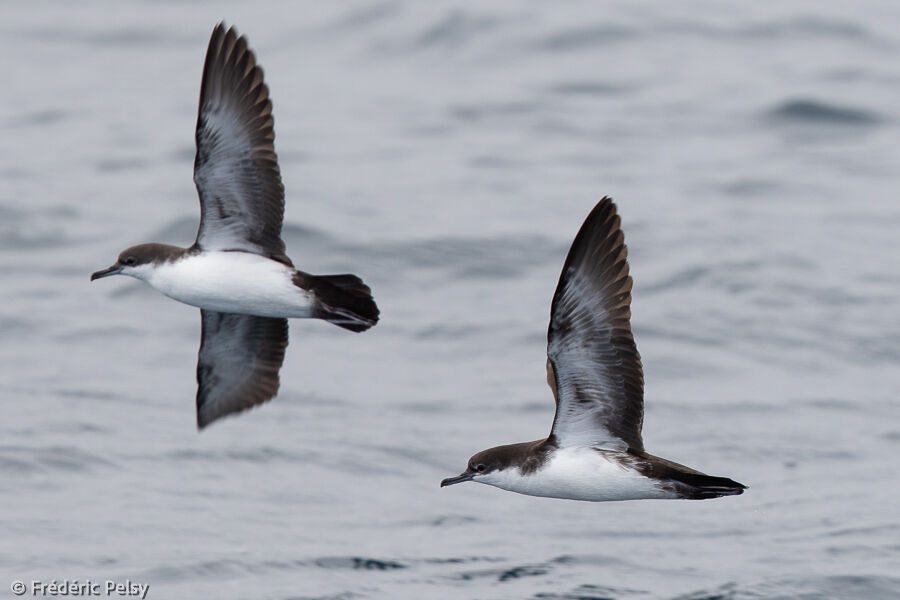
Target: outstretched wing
x: 236, y: 168
x: 593, y: 365
x: 238, y: 363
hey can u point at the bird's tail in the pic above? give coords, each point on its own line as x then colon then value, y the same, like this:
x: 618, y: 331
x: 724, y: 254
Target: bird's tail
x: 689, y: 483
x: 345, y: 301
x: 697, y: 486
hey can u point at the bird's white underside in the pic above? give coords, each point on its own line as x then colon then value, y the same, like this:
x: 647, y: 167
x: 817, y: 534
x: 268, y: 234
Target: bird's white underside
x: 230, y: 282
x: 579, y: 473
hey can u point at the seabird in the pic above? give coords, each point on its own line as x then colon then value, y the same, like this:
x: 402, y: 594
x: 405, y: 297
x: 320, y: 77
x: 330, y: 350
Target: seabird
x: 237, y: 271
x: 594, y: 451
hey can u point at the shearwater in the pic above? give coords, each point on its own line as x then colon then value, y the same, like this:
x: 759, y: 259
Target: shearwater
x: 237, y: 271
x: 594, y: 451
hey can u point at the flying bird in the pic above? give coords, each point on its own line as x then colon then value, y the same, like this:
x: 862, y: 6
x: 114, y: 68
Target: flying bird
x: 237, y: 271
x: 594, y: 451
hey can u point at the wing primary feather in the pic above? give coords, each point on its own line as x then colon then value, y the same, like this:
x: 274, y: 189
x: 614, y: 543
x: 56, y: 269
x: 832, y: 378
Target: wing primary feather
x: 236, y: 168
x: 596, y: 371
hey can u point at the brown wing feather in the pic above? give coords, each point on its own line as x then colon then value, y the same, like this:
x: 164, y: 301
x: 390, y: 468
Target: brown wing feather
x: 593, y: 364
x: 236, y: 169
x: 238, y: 363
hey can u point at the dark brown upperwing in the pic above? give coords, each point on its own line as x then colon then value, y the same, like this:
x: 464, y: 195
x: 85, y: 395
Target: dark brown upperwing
x: 594, y: 367
x: 236, y: 168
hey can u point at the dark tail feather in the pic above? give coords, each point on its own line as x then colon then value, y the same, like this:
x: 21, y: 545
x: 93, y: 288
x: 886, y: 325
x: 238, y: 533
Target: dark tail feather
x: 348, y: 282
x: 346, y: 301
x: 701, y: 487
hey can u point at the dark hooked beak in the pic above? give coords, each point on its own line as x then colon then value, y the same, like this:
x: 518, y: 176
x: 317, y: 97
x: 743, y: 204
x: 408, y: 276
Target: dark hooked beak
x: 467, y: 476
x: 113, y: 270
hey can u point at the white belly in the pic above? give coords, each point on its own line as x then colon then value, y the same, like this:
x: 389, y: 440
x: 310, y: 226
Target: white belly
x: 579, y: 473
x: 233, y: 282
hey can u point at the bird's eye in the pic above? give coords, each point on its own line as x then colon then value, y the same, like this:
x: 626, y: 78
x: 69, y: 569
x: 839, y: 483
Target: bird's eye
x: 130, y: 261
x: 479, y: 468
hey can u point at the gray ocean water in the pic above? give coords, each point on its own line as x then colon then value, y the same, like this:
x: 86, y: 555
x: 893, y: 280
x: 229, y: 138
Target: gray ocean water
x: 447, y: 153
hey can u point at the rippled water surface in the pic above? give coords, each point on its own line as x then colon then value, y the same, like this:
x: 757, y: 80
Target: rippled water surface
x: 448, y: 153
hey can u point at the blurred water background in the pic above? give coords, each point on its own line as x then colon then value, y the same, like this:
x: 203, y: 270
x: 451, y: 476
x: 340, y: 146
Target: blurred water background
x: 447, y: 153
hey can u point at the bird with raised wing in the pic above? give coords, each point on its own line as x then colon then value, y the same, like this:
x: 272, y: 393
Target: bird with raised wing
x: 594, y: 451
x: 237, y: 271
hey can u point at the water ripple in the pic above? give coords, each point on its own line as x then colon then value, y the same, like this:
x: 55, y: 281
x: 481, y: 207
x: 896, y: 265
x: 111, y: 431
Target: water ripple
x: 454, y: 29
x: 361, y: 18
x: 589, y: 88
x: 358, y: 563
x: 22, y: 460
x: 590, y: 591
x: 870, y: 587
x: 585, y: 37
x: 261, y: 455
x: 817, y: 112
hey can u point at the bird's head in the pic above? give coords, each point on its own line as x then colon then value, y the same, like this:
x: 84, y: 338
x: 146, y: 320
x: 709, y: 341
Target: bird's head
x: 489, y: 466
x: 137, y: 261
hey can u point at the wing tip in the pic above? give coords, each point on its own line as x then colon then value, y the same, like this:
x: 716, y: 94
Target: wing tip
x: 206, y: 416
x: 600, y: 247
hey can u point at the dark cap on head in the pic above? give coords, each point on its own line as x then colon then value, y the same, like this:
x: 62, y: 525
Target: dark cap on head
x: 527, y: 457
x: 140, y: 255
